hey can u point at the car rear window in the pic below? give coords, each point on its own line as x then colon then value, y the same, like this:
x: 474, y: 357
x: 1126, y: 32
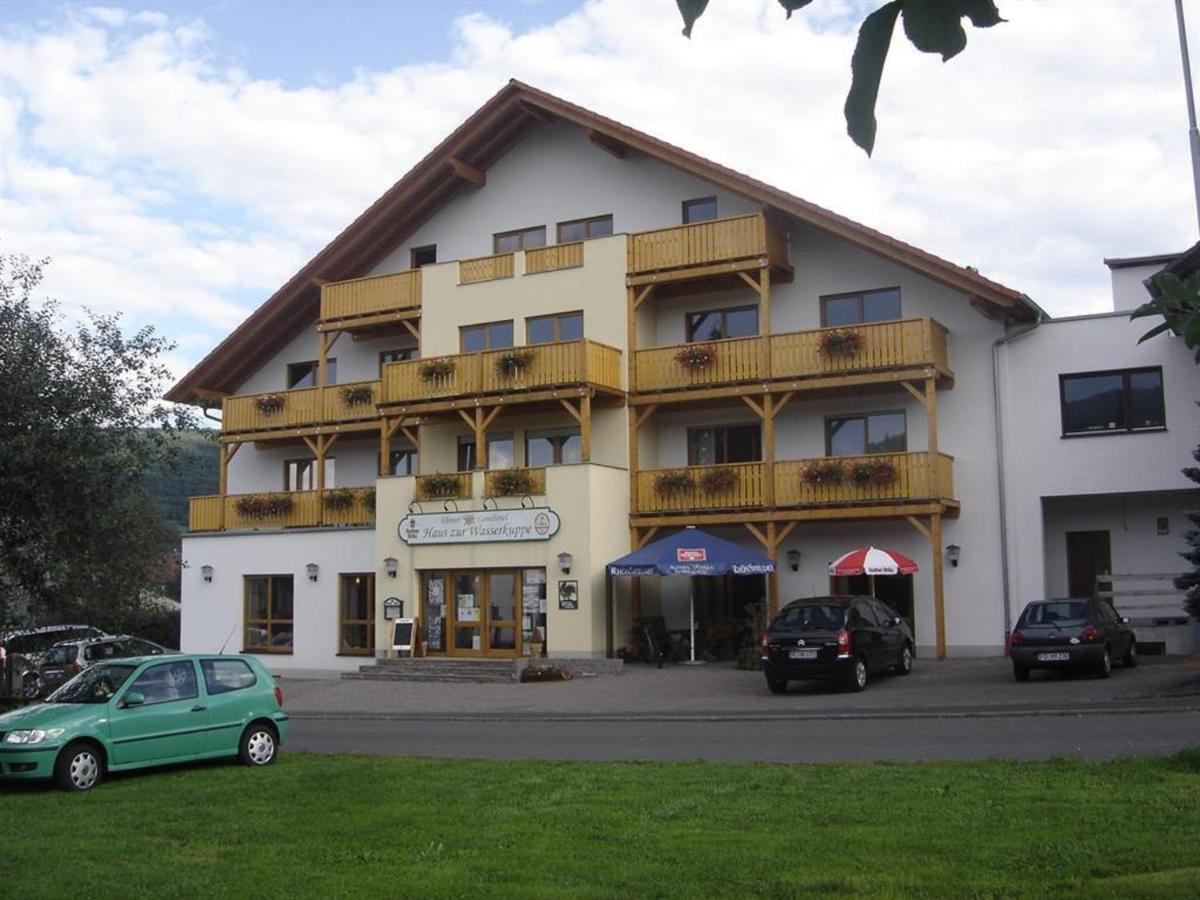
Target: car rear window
x: 106, y: 650
x: 817, y: 617
x: 1057, y: 612
x: 60, y: 656
x: 224, y: 675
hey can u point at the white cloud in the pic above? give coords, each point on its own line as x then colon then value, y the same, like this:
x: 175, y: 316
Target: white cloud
x: 174, y: 186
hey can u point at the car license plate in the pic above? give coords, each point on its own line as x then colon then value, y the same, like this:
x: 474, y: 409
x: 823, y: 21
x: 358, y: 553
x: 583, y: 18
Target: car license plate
x: 1053, y: 657
x: 802, y: 654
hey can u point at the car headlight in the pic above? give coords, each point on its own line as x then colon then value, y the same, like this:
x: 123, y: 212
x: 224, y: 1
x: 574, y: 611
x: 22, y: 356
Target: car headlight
x: 33, y: 736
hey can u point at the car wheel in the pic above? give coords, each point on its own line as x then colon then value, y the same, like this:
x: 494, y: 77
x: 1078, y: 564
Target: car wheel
x: 1021, y: 673
x: 1104, y: 667
x: 1131, y: 656
x: 78, y: 767
x: 31, y: 686
x: 258, y: 745
x: 904, y: 667
x: 777, y: 685
x: 857, y: 679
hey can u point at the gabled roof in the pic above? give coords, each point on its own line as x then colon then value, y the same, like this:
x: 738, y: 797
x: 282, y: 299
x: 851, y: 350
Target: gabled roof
x: 482, y: 139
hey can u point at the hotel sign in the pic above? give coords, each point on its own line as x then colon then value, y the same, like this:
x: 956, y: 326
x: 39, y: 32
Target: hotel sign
x: 481, y: 526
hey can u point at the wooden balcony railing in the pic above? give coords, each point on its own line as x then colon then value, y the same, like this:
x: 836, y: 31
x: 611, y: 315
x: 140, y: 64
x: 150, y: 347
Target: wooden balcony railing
x: 283, y: 509
x: 548, y: 365
x: 500, y: 482
x: 865, y: 481
x: 558, y: 256
x: 704, y: 244
x: 485, y: 268
x: 905, y: 343
x: 301, y: 407
x: 444, y: 486
x: 371, y: 296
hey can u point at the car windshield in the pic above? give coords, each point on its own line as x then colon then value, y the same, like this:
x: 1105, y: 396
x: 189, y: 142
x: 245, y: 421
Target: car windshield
x: 1057, y: 612
x: 822, y: 617
x: 94, y: 685
x: 60, y: 656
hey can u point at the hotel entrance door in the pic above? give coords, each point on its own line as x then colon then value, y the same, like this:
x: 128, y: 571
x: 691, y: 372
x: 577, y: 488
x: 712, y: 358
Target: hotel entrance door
x: 471, y: 612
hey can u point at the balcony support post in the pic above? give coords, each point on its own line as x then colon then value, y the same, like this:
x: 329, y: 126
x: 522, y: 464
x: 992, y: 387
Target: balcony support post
x: 931, y: 426
x: 228, y: 451
x: 933, y: 534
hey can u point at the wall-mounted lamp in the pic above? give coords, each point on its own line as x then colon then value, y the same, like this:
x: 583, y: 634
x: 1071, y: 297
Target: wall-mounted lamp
x: 952, y: 552
x: 391, y: 566
x: 206, y: 572
x: 312, y: 570
x: 793, y: 560
x: 565, y: 560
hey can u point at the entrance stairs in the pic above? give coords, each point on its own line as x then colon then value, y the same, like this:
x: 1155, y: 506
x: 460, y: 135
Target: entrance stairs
x: 476, y: 671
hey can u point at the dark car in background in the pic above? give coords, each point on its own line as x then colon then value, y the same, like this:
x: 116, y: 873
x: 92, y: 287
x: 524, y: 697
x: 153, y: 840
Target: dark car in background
x: 65, y: 660
x: 841, y: 638
x: 1071, y: 634
x: 22, y: 649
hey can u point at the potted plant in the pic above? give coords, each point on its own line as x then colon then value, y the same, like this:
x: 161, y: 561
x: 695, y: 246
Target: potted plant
x: 673, y: 483
x: 510, y: 482
x: 436, y: 369
x: 872, y: 472
x: 338, y: 499
x: 263, y: 506
x: 357, y: 395
x: 825, y: 471
x: 695, y: 357
x: 269, y: 404
x: 840, y: 342
x: 368, y: 498
x: 438, y: 485
x: 722, y: 478
x: 513, y: 362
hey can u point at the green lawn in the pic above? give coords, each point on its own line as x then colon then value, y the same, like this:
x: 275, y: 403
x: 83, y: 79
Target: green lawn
x: 372, y: 827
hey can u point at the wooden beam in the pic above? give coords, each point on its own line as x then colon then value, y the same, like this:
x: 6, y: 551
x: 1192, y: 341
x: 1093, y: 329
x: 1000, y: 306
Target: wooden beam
x: 919, y: 395
x: 414, y: 437
x: 644, y: 537
x: 294, y: 434
x: 642, y: 296
x: 809, y: 385
x: 768, y: 446
x: 385, y: 446
x: 781, y: 402
x: 569, y: 407
x: 413, y: 328
x: 312, y: 445
x: 635, y: 423
x: 585, y: 427
x: 931, y: 422
x: 320, y: 282
x: 939, y: 595
x: 466, y: 171
x: 607, y: 144
x: 772, y: 577
x: 762, y: 538
x: 752, y: 282
x: 784, y: 533
x: 469, y: 418
x: 491, y: 416
x: 480, y: 439
x: 693, y: 272
x: 798, y: 514
x: 758, y: 410
x: 536, y: 112
x: 919, y: 525
x: 643, y: 414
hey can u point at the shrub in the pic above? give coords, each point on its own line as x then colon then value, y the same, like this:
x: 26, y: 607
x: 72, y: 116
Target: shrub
x: 826, y: 471
x: 695, y: 357
x: 510, y: 482
x: 840, y: 342
x: 513, y: 362
x: 714, y: 481
x: 668, y: 484
x: 544, y: 672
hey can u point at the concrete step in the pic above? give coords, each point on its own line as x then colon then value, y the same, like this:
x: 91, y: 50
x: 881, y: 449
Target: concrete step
x: 447, y: 677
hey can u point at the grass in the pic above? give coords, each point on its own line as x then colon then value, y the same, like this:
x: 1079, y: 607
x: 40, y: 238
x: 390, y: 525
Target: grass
x: 365, y: 826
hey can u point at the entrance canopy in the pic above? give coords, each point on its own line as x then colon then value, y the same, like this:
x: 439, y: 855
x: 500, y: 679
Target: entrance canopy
x: 692, y: 552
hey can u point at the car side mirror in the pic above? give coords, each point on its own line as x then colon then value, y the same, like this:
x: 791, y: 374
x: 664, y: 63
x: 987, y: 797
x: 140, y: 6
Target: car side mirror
x: 1124, y: 620
x: 895, y: 620
x: 133, y: 698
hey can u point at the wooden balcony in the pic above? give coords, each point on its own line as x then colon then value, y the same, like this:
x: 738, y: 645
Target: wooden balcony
x: 705, y: 249
x: 500, y: 482
x: 553, y: 258
x: 301, y: 408
x: 376, y: 300
x: 560, y: 364
x: 290, y: 509
x: 902, y: 478
x: 886, y: 347
x: 444, y: 486
x: 485, y: 268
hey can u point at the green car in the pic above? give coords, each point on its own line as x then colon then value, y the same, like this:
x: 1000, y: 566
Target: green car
x: 148, y: 711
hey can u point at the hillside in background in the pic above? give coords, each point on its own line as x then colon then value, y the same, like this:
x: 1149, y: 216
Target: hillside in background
x: 195, y: 471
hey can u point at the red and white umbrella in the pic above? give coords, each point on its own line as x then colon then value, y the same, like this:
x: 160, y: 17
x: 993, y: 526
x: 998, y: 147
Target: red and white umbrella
x: 872, y: 561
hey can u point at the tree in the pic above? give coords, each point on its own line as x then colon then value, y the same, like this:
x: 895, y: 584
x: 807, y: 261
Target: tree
x: 1189, y: 582
x: 80, y: 422
x: 933, y: 26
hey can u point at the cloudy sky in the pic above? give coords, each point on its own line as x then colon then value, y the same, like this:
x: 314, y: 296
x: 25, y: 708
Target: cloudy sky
x: 178, y: 161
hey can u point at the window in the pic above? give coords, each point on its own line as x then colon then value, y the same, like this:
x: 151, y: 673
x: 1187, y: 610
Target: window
x: 853, y: 309
x: 400, y: 354
x: 404, y: 461
x: 559, y: 327
x: 166, y: 682
x: 1117, y: 401
x: 700, y: 210
x: 499, y: 450
x: 521, y: 239
x: 715, y: 324
x: 356, y: 620
x: 268, y: 614
x: 490, y: 336
x: 552, y: 448
x: 883, y: 432
x: 108, y: 650
x: 422, y: 256
x: 301, y: 474
x: 224, y: 675
x: 583, y: 229
x: 303, y: 375
x: 724, y: 444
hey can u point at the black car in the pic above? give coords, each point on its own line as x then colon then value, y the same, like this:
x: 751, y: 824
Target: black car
x: 843, y: 639
x: 66, y: 659
x: 1071, y: 634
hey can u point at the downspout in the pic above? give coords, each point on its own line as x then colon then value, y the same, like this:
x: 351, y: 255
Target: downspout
x: 998, y: 410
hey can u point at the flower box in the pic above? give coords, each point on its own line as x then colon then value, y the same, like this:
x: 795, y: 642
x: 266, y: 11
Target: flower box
x: 513, y: 363
x: 510, y: 482
x: 438, y: 485
x: 368, y: 497
x: 824, y: 472
x: 358, y: 395
x: 269, y: 404
x: 840, y: 343
x: 263, y: 506
x: 436, y: 369
x: 695, y: 357
x: 865, y: 473
x: 339, y: 499
x: 713, y: 481
x: 669, y: 484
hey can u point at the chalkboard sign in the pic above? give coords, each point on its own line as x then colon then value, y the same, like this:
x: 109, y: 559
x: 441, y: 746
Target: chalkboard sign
x: 402, y: 638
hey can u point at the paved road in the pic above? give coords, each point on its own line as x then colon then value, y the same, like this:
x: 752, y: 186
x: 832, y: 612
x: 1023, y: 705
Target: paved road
x: 808, y: 740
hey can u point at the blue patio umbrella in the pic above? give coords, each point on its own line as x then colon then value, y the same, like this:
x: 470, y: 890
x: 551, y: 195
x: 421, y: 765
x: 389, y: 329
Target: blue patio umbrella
x: 692, y: 552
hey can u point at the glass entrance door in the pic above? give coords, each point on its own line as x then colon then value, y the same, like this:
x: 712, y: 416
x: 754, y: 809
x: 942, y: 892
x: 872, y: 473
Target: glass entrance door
x: 477, y: 612
x: 468, y: 606
x: 502, y: 611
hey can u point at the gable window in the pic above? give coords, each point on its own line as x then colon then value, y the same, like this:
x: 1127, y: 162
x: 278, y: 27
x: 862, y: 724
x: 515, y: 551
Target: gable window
x: 499, y: 452
x: 881, y: 432
x: 489, y: 336
x: 521, y: 239
x: 1116, y: 401
x: 699, y: 210
x: 268, y: 614
x: 867, y: 306
x: 715, y: 324
x: 422, y: 256
x: 553, y: 448
x: 356, y: 614
x: 301, y: 474
x: 304, y: 374
x: 559, y: 327
x: 724, y: 444
x: 585, y: 229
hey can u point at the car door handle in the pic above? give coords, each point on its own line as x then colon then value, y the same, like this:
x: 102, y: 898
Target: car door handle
x: 199, y: 709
